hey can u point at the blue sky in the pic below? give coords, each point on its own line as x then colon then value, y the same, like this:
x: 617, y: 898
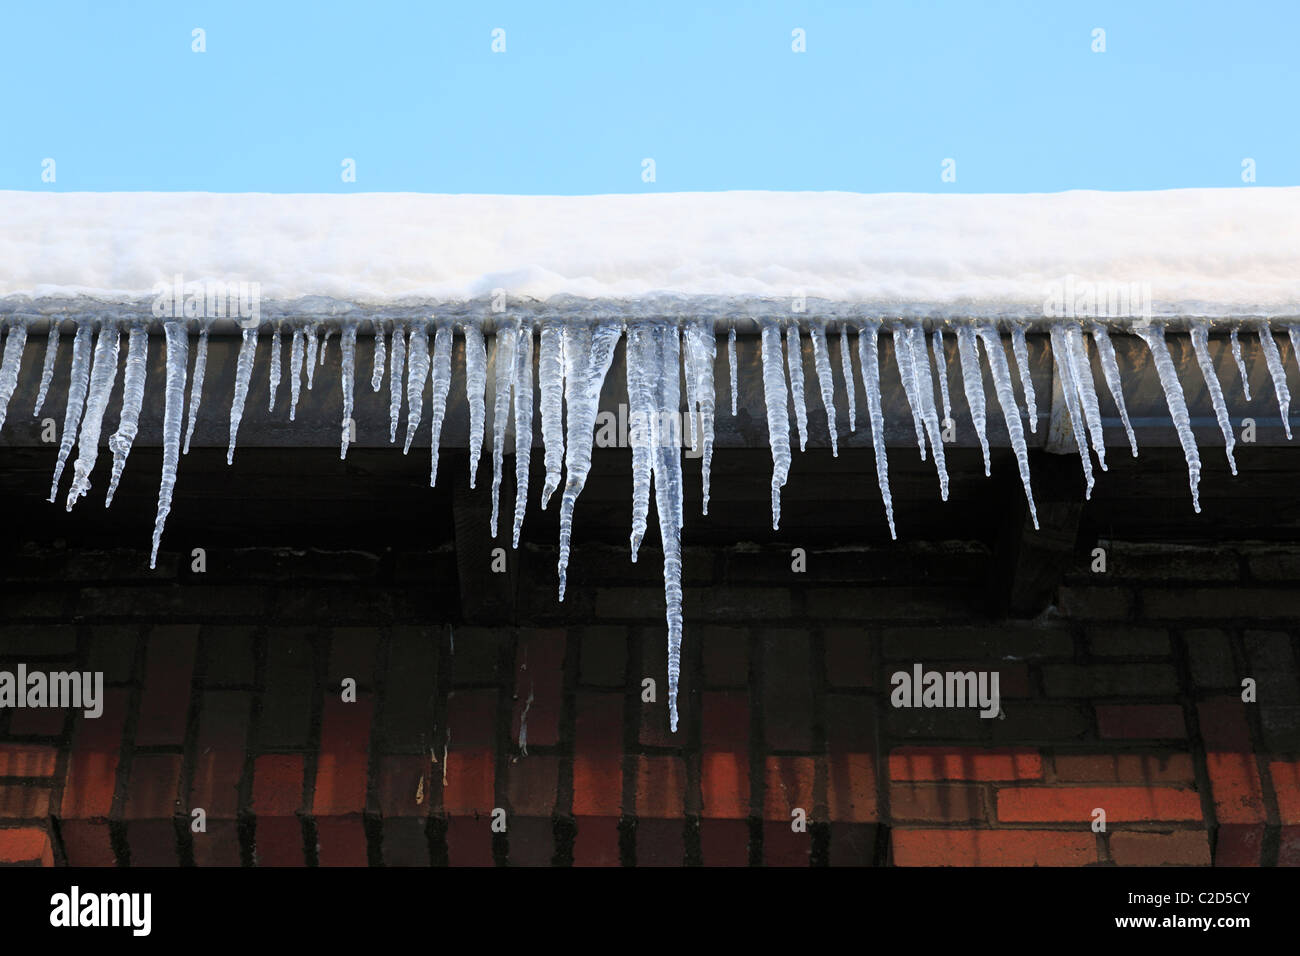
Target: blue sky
x: 584, y: 92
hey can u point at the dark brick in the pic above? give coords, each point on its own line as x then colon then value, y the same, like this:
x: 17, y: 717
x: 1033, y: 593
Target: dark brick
x: 1109, y: 680
x: 604, y: 656
x: 1272, y: 657
x: 1129, y: 642
x: 1210, y: 657
x: 787, y: 690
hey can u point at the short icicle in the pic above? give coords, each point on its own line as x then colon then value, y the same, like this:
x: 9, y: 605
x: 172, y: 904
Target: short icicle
x: 78, y: 384
x: 1114, y: 382
x: 869, y: 368
x: 273, y: 380
x: 1070, y: 391
x: 103, y: 374
x: 395, y: 385
x: 1154, y: 336
x: 1278, y: 374
x: 296, y: 350
x: 47, y: 368
x: 777, y: 400
x: 475, y: 391
x: 1006, y: 392
x: 825, y: 380
x: 523, y: 423
x: 703, y: 345
x: 915, y: 336
x: 313, y: 348
x: 906, y: 363
x: 417, y: 374
x: 731, y: 367
x: 507, y: 334
x: 941, y: 370
x: 1200, y: 332
x: 850, y: 386
x: 243, y: 375
x: 439, y: 389
x: 550, y: 372
x: 347, y: 373
x: 1020, y: 348
x: 9, y: 365
x: 177, y: 355
x: 640, y: 369
x: 377, y: 366
x: 972, y: 380
x: 1081, y: 368
x: 794, y: 359
x: 1241, y: 363
x: 196, y: 381
x: 133, y: 378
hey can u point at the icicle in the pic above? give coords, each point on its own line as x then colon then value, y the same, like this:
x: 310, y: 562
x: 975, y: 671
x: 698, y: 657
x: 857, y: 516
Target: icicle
x: 313, y: 346
x: 47, y: 369
x: 103, y: 373
x: 941, y: 370
x: 377, y: 369
x: 177, y: 349
x: 972, y: 379
x: 550, y: 372
x: 273, y: 380
x: 1241, y: 364
x: 523, y: 423
x: 78, y: 383
x: 915, y: 337
x: 869, y: 367
x: 1278, y: 374
x: 731, y: 365
x: 640, y: 368
x: 417, y: 373
x: 243, y: 376
x: 906, y: 363
x: 475, y: 389
x: 395, y: 378
x: 703, y: 344
x: 822, y: 362
x: 666, y: 454
x: 777, y: 400
x: 1070, y: 391
x: 325, y: 343
x: 295, y: 370
x: 1110, y: 368
x: 196, y: 384
x: 588, y: 353
x: 850, y: 386
x: 137, y: 352
x: 347, y: 373
x: 1021, y: 349
x: 1081, y: 367
x: 441, y: 387
x: 504, y: 358
x: 689, y: 373
x: 1200, y: 331
x: 794, y: 359
x: 1154, y: 336
x: 1006, y: 393
x: 9, y: 365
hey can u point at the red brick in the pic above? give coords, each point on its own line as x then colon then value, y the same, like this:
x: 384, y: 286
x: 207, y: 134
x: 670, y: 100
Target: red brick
x: 469, y: 782
x: 1288, y: 851
x: 596, y: 842
x: 404, y: 785
x: 344, y: 757
x: 597, y: 760
x: 853, y: 844
x: 1075, y: 804
x: 851, y: 788
x: 341, y: 841
x: 965, y: 763
x: 531, y: 841
x: 944, y: 803
x: 1127, y: 721
x: 660, y: 787
x: 471, y: 719
x: 23, y: 801
x: 532, y: 782
x: 38, y: 722
x: 950, y: 847
x: 849, y: 658
x: 151, y: 806
x: 788, y: 784
x: 219, y: 757
x: 783, y: 847
x: 1286, y: 781
x: 92, y: 777
x: 539, y: 673
x: 660, y: 842
x: 726, y: 656
x: 27, y: 760
x: 25, y: 845
x: 1180, y: 848
x: 724, y: 767
x: 168, y: 674
x: 469, y: 841
x: 1125, y: 768
x: 724, y: 842
x: 277, y: 785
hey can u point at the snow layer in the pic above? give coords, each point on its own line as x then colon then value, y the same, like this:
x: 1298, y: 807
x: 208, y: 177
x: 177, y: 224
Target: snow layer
x: 1211, y: 252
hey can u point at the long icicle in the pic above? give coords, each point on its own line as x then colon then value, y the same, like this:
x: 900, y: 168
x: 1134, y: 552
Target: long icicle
x: 588, y: 353
x: 906, y: 363
x: 395, y: 386
x: 78, y: 384
x: 1114, y: 382
x: 196, y: 382
x: 640, y: 369
x: 1200, y: 332
x: 1070, y: 392
x: 850, y: 386
x: 347, y: 373
x: 313, y: 348
x: 103, y: 374
x: 1020, y: 348
x: 822, y: 362
x: 9, y: 365
x: 440, y: 387
x: 915, y: 337
x: 137, y: 352
x: 1278, y: 374
x: 504, y: 359
x: 1077, y: 355
x: 417, y: 374
x: 972, y: 380
x: 550, y: 372
x: 523, y: 423
x: 177, y: 349
x: 794, y: 359
x: 1241, y: 364
x: 941, y: 370
x: 295, y: 370
x: 377, y: 367
x: 1154, y: 336
x: 47, y: 368
x: 777, y: 400
x: 1006, y: 393
x: 731, y: 367
x: 869, y: 368
x: 243, y: 375
x: 475, y: 390
x: 704, y: 345
x: 273, y: 379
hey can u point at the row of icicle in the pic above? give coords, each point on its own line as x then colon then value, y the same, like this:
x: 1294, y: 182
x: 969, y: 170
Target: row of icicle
x: 573, y: 358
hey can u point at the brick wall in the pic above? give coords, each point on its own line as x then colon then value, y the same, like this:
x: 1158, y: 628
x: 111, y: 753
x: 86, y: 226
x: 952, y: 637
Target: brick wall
x: 223, y: 693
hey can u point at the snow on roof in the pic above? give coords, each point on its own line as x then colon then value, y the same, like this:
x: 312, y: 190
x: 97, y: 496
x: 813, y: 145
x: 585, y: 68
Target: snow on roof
x: 1215, y: 252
